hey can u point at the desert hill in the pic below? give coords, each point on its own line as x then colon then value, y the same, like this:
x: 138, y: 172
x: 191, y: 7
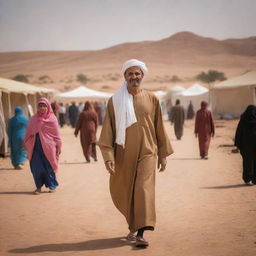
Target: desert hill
x: 183, y: 55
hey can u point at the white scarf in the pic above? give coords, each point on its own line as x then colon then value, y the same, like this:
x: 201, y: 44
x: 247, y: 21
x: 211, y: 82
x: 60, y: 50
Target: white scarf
x: 123, y: 104
x: 124, y: 112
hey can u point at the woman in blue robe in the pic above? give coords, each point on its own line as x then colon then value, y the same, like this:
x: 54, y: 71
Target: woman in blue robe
x: 16, y: 132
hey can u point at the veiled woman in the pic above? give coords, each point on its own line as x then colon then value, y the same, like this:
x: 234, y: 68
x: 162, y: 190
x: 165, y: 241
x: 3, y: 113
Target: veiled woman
x: 245, y: 140
x: 87, y: 124
x: 43, y: 145
x: 16, y: 132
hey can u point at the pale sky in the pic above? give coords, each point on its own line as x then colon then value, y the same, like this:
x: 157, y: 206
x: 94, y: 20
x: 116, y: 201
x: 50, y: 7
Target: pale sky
x: 27, y: 25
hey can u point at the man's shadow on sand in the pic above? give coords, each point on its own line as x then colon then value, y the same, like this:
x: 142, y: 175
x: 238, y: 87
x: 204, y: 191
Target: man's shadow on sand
x: 16, y: 193
x: 91, y: 245
x: 227, y: 186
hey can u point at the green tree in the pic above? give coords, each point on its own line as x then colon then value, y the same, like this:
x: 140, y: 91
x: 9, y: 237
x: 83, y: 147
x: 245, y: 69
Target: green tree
x: 175, y: 79
x: 211, y: 76
x: 21, y: 78
x: 82, y: 78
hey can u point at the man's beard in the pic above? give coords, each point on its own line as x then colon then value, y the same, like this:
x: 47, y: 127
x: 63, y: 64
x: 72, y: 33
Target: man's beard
x: 134, y: 82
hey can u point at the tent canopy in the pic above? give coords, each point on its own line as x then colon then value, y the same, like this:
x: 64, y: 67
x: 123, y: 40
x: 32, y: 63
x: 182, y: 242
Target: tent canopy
x: 177, y: 89
x: 19, y: 87
x: 194, y: 90
x: 84, y: 92
x: 234, y: 95
x: 160, y: 94
x: 244, y: 80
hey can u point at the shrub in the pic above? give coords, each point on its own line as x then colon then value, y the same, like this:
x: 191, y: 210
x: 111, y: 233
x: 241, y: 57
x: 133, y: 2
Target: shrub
x: 175, y: 79
x: 21, y: 78
x: 82, y: 78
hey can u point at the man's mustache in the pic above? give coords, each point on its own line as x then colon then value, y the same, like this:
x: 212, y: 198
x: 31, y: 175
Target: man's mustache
x: 134, y: 80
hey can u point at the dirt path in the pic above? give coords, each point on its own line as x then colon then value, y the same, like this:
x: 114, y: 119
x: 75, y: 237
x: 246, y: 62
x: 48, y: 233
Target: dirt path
x: 203, y: 208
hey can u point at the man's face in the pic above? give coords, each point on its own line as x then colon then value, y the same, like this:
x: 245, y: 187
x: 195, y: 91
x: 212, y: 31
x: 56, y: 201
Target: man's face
x: 133, y: 76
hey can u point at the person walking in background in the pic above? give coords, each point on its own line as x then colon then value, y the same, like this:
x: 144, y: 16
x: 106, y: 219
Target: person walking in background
x: 55, y: 108
x: 204, y: 129
x: 67, y: 119
x: 190, y: 112
x: 43, y: 145
x: 80, y: 108
x: 73, y: 114
x: 62, y: 113
x: 245, y: 141
x: 16, y: 132
x: 87, y: 124
x: 132, y: 141
x: 177, y: 117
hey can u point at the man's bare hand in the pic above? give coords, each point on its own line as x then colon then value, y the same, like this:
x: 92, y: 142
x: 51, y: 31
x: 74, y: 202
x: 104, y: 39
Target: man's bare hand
x: 110, y: 166
x: 161, y: 164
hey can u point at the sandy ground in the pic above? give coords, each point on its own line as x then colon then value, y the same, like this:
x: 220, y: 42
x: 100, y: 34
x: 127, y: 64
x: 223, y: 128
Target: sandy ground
x: 203, y: 208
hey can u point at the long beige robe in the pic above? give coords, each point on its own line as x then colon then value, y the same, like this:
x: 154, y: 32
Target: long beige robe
x: 132, y: 187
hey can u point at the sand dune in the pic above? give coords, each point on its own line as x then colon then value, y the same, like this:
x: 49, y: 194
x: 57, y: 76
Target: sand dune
x: 183, y: 54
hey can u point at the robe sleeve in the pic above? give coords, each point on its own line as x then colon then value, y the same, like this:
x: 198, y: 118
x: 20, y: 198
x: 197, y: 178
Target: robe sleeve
x: 107, y: 137
x: 212, y: 124
x: 10, y: 132
x: 172, y: 112
x: 197, y: 123
x: 78, y: 124
x: 238, y: 136
x: 163, y: 142
x: 96, y: 121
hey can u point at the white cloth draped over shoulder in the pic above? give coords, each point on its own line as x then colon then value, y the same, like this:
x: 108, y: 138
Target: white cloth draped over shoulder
x: 123, y: 104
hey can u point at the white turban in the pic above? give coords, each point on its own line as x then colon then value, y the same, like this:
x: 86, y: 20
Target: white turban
x: 123, y: 104
x: 134, y: 63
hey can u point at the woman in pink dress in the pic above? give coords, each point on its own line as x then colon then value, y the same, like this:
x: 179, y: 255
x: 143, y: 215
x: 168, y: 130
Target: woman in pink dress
x: 43, y: 145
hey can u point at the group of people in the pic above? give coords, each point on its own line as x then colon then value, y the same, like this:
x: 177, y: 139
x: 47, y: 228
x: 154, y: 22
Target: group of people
x: 204, y: 124
x: 69, y: 114
x: 133, y: 142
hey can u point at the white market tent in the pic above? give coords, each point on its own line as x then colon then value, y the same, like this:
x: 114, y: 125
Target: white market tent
x: 83, y: 92
x: 13, y: 94
x: 194, y: 90
x: 232, y: 96
x: 195, y: 93
x: 172, y: 94
x: 160, y: 94
x: 177, y: 89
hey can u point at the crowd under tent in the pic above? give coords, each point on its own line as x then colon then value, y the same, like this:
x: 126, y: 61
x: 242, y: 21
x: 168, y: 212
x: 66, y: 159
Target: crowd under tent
x: 232, y: 96
x: 171, y: 96
x: 13, y: 94
x: 195, y: 93
x: 84, y: 93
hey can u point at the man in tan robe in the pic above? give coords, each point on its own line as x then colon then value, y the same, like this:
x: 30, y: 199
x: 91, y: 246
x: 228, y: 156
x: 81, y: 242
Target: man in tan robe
x: 132, y: 165
x: 178, y: 118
